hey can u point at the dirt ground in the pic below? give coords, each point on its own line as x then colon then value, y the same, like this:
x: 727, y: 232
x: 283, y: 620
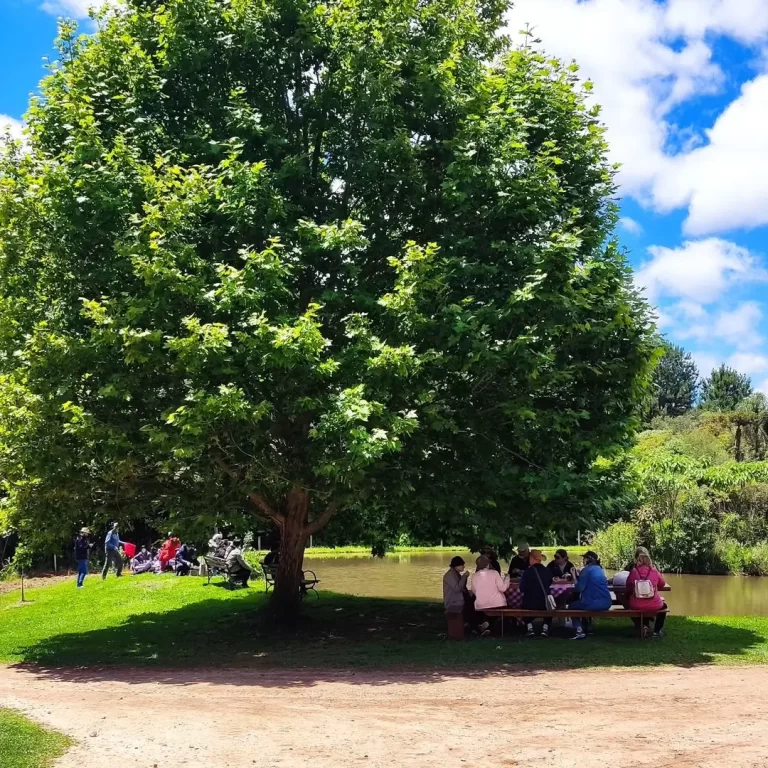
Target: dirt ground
x: 673, y: 717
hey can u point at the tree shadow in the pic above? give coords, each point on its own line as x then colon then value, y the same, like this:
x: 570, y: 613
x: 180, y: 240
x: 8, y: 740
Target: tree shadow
x: 354, y: 639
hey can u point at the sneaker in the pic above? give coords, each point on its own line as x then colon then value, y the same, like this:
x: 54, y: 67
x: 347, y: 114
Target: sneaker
x: 545, y: 631
x: 485, y: 632
x: 658, y: 635
x: 485, y: 625
x: 580, y: 635
x: 530, y: 632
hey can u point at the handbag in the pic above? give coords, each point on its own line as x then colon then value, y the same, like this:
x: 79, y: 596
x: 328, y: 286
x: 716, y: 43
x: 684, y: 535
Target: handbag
x: 644, y: 589
x: 548, y: 599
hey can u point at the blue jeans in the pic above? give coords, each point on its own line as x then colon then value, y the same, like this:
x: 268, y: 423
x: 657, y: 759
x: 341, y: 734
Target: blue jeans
x: 580, y: 605
x: 82, y: 571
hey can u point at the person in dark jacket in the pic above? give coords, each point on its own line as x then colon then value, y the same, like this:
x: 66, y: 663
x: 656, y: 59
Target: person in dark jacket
x: 561, y: 567
x: 82, y: 553
x: 112, y: 544
x: 520, y: 561
x: 185, y: 558
x: 534, y: 587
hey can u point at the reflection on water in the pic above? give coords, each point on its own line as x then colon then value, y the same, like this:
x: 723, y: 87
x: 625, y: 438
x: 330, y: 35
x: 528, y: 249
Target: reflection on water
x: 420, y: 576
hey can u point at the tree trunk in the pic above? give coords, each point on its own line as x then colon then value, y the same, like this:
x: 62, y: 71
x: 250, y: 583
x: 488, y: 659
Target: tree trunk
x: 293, y: 539
x: 739, y: 455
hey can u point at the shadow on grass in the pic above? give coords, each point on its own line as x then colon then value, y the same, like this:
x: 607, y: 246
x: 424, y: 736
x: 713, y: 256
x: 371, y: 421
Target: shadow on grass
x: 371, y: 641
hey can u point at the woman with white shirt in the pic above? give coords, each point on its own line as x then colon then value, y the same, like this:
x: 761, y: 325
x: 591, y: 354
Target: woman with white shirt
x: 488, y: 586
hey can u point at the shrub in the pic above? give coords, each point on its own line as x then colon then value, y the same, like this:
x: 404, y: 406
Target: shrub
x: 756, y: 560
x: 253, y: 558
x: 729, y: 556
x: 686, y: 543
x: 616, y: 545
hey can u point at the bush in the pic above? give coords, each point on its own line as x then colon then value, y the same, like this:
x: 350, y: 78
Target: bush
x: 687, y: 543
x: 756, y: 560
x: 729, y: 556
x: 253, y: 558
x: 616, y: 545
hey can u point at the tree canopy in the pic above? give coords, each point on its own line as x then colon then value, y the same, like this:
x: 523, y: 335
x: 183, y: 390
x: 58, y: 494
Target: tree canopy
x: 675, y: 383
x: 298, y: 259
x: 724, y: 389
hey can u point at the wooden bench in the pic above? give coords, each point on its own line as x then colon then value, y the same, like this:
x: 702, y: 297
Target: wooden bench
x: 309, y: 580
x: 217, y: 566
x: 613, y: 613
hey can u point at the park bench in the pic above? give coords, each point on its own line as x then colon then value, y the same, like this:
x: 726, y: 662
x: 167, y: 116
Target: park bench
x: 217, y: 566
x: 613, y: 613
x: 309, y: 580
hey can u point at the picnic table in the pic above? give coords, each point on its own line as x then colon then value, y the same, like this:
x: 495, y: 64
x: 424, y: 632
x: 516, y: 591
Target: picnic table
x: 559, y: 589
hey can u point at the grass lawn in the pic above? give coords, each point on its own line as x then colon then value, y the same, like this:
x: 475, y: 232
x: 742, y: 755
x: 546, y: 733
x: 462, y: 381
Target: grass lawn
x: 26, y: 745
x: 168, y: 621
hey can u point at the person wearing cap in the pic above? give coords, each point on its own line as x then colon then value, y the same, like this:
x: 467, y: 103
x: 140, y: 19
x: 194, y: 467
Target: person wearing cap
x: 237, y: 568
x: 488, y: 586
x: 534, y: 587
x: 83, y: 546
x: 592, y: 589
x: 112, y: 554
x: 520, y: 561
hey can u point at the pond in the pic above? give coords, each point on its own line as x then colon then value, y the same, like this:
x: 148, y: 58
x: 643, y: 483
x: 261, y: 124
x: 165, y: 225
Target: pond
x: 420, y: 577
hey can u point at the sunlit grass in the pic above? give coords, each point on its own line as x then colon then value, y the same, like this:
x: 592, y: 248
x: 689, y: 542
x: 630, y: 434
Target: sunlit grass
x: 24, y: 744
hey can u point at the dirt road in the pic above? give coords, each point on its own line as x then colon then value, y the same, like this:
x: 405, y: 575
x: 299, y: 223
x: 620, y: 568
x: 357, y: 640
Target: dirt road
x: 675, y: 718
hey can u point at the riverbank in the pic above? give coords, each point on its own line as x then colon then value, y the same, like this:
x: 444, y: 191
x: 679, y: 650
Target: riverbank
x: 689, y: 718
x: 163, y: 621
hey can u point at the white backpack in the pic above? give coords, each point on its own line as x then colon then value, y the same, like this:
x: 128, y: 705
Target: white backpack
x: 644, y: 589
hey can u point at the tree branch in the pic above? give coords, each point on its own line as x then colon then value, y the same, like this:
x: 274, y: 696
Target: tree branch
x: 317, y: 525
x: 261, y: 504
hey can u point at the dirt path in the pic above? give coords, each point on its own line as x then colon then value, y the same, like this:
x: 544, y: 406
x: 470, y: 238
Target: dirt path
x: 670, y: 718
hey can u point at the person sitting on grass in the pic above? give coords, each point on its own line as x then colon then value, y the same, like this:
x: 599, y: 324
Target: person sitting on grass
x: 520, y: 561
x: 561, y: 567
x: 168, y: 552
x: 237, y: 568
x: 142, y: 563
x: 534, y: 587
x: 644, y: 571
x: 592, y: 590
x: 184, y: 560
x: 488, y: 586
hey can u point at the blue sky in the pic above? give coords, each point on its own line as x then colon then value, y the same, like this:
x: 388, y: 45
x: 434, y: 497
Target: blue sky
x: 684, y: 89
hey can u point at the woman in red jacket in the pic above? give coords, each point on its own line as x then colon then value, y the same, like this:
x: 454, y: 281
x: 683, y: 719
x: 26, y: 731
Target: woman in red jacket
x: 168, y: 552
x: 648, y: 580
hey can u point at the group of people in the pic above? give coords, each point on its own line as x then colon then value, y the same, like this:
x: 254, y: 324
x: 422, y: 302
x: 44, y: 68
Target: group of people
x: 230, y: 551
x: 173, y: 555
x: 591, y: 590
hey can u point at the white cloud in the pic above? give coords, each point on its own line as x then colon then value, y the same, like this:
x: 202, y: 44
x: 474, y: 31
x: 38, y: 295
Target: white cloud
x: 748, y: 363
x: 76, y: 9
x: 725, y: 183
x: 739, y: 326
x: 648, y: 56
x: 699, y: 271
x: 706, y: 362
x: 630, y: 225
x: 763, y: 387
x: 11, y: 124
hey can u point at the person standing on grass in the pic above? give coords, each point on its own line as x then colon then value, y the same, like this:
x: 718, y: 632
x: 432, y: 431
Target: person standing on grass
x: 112, y: 554
x: 82, y: 553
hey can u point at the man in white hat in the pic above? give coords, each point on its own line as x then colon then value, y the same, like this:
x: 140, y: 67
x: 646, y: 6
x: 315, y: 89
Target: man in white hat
x: 82, y: 552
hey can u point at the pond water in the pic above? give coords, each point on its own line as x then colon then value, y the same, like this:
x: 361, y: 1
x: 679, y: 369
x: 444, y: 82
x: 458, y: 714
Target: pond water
x: 420, y: 577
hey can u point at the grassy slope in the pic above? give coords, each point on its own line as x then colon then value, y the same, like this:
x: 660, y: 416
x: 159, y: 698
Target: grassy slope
x: 26, y: 745
x: 165, y: 621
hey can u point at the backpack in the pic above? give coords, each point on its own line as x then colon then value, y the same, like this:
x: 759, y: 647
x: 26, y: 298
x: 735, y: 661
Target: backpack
x: 644, y: 589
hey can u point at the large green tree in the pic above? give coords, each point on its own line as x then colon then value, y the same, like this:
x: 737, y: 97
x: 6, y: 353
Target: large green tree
x: 675, y: 384
x: 293, y: 259
x: 724, y: 389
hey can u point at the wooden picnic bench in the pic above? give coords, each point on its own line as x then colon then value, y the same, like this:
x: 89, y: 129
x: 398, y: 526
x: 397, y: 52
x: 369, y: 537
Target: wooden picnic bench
x: 309, y: 580
x: 614, y: 613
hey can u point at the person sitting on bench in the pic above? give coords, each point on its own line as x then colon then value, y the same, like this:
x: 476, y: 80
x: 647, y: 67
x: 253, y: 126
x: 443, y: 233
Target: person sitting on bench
x: 488, y: 586
x: 644, y: 571
x: 217, y: 546
x: 534, y: 587
x: 237, y: 568
x: 561, y: 567
x: 593, y: 592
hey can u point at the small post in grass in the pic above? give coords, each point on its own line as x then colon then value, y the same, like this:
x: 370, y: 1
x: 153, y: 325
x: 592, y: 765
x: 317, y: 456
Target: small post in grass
x: 22, y: 585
